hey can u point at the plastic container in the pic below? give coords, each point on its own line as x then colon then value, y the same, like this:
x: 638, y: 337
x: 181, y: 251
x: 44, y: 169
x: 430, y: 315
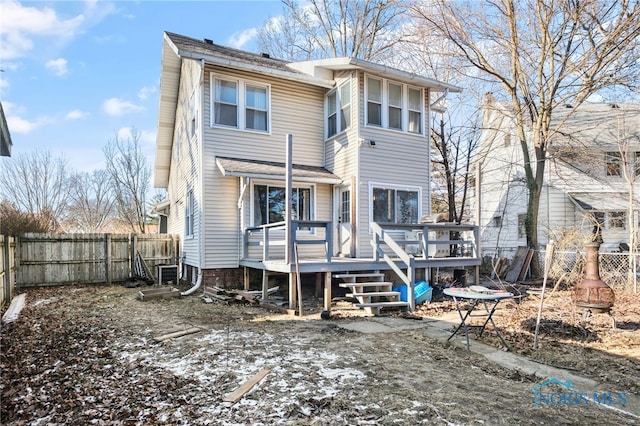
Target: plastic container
x: 422, y: 292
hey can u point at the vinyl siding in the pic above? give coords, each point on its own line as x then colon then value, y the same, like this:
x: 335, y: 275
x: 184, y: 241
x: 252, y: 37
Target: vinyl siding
x: 295, y: 108
x: 184, y: 174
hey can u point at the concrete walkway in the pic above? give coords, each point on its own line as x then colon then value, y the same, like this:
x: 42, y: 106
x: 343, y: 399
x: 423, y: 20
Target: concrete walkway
x: 440, y: 329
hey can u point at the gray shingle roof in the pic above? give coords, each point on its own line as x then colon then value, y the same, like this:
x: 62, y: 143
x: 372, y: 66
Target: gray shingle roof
x: 206, y: 48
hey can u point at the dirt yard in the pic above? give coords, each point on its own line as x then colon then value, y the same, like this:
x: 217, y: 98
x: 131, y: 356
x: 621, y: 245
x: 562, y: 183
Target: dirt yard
x: 87, y: 355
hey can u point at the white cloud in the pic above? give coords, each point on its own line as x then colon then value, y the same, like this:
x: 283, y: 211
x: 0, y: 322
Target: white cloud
x: 15, y: 121
x: 146, y: 91
x: 20, y: 24
x: 241, y: 39
x: 4, y: 83
x: 76, y: 114
x: 115, y: 106
x: 59, y: 66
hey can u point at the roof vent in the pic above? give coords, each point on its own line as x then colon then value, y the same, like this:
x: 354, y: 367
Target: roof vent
x: 206, y: 40
x: 266, y: 55
x: 568, y: 106
x: 614, y: 106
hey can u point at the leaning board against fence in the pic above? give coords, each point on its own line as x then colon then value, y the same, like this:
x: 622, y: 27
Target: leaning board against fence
x: 616, y: 269
x: 58, y: 259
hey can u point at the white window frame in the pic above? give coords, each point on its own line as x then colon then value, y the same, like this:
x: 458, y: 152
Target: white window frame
x: 193, y: 122
x: 385, y: 105
x: 281, y: 184
x: 241, y: 93
x: 522, y: 228
x: 189, y: 214
x: 396, y: 188
x: 339, y: 111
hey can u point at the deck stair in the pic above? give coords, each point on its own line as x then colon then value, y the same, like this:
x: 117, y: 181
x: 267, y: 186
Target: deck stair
x: 371, y: 291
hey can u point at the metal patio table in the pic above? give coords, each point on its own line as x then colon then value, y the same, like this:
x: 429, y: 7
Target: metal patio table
x: 484, y: 297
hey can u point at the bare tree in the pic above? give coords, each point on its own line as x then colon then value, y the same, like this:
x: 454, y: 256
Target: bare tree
x: 130, y: 177
x: 36, y: 183
x: 544, y: 55
x: 365, y: 29
x: 454, y: 147
x: 92, y: 201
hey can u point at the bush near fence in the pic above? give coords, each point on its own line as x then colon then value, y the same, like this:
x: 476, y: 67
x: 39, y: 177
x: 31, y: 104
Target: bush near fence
x: 60, y: 259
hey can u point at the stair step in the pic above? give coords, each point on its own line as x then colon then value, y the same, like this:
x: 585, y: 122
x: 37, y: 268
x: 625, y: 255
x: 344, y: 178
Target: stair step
x: 381, y: 304
x: 374, y: 294
x: 363, y: 275
x: 371, y: 284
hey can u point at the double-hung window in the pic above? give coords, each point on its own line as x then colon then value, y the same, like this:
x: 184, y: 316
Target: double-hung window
x: 193, y: 113
x: 613, y: 162
x: 240, y: 104
x: 189, y: 214
x: 269, y: 203
x: 374, y: 101
x: 395, y: 205
x: 415, y: 110
x: 393, y: 105
x: 339, y: 109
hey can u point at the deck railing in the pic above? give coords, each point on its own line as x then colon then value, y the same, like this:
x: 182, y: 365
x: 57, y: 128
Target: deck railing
x: 399, y: 245
x: 275, y: 234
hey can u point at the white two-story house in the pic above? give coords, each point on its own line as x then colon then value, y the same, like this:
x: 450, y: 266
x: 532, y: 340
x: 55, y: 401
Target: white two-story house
x: 359, y: 155
x: 591, y: 183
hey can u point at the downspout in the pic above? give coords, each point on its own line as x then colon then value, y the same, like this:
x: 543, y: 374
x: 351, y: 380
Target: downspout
x: 198, y: 283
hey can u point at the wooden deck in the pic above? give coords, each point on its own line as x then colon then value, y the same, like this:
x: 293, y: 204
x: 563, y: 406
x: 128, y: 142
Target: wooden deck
x: 401, y: 248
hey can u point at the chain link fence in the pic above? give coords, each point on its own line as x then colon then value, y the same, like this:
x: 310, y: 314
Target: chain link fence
x: 616, y: 269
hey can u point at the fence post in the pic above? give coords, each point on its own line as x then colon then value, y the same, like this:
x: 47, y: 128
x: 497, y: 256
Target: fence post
x: 132, y: 254
x: 107, y: 258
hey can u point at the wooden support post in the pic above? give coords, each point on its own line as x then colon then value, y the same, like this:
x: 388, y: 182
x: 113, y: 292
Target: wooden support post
x: 327, y: 291
x: 132, y: 255
x: 318, y: 284
x: 245, y: 277
x: 265, y: 284
x: 292, y: 290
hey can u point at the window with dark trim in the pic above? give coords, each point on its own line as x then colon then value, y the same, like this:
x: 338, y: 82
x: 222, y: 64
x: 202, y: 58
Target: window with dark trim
x: 394, y: 205
x: 269, y: 204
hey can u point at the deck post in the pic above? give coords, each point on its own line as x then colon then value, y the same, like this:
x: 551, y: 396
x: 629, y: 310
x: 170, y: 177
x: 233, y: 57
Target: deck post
x: 265, y: 285
x: 245, y: 277
x: 327, y: 291
x: 288, y: 247
x: 292, y: 290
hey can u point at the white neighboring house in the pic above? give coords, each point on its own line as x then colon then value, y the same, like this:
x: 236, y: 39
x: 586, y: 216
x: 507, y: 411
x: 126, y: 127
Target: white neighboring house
x: 585, y: 180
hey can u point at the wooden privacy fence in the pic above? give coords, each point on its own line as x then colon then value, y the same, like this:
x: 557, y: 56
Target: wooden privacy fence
x: 58, y: 259
x: 7, y: 268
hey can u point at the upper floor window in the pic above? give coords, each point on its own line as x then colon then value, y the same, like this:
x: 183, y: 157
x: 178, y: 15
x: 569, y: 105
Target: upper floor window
x: 618, y: 220
x: 522, y: 227
x: 241, y: 105
x: 402, y: 105
x: 636, y: 166
x: 613, y: 162
x: 394, y: 205
x: 374, y: 101
x: 193, y: 113
x: 339, y: 109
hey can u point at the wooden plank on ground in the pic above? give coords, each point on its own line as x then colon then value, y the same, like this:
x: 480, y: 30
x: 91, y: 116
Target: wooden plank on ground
x: 237, y: 394
x: 525, y: 265
x: 177, y: 334
x: 14, y: 309
x: 516, y: 266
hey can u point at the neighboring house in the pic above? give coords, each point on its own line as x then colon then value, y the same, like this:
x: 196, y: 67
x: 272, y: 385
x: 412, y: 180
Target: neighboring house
x: 585, y: 183
x: 5, y: 136
x: 360, y: 155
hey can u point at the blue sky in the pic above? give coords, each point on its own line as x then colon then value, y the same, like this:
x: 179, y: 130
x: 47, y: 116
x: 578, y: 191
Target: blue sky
x: 76, y: 73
